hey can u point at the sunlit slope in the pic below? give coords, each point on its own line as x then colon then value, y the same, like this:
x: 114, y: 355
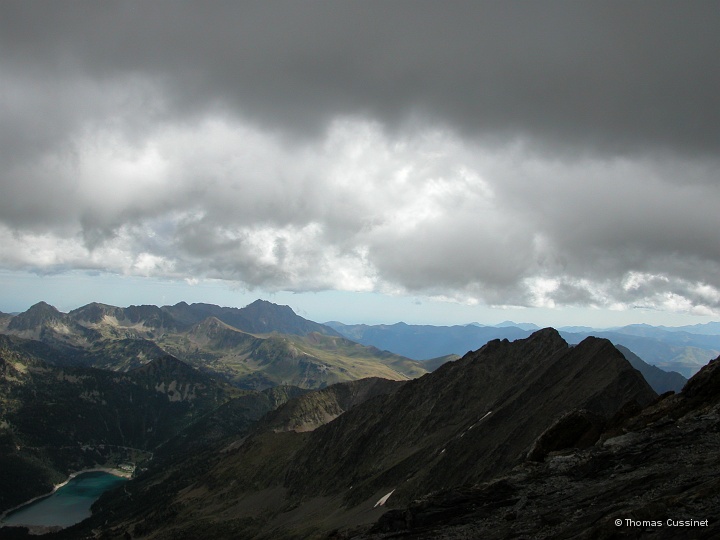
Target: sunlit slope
x: 256, y: 347
x: 260, y: 361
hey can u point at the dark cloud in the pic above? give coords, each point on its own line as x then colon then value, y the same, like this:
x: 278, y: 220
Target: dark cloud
x: 613, y: 75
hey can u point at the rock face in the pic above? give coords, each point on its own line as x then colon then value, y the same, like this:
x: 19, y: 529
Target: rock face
x: 468, y: 422
x: 576, y: 429
x: 645, y: 474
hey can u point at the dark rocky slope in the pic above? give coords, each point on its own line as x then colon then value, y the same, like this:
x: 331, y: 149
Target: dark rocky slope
x: 660, y: 380
x: 468, y: 422
x: 648, y: 471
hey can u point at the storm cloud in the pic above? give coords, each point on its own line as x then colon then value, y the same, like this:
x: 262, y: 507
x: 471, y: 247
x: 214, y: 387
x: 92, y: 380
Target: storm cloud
x: 535, y: 154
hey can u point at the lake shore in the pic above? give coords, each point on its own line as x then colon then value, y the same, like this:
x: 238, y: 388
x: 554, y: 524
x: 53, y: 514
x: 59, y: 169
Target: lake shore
x: 109, y: 470
x: 115, y: 472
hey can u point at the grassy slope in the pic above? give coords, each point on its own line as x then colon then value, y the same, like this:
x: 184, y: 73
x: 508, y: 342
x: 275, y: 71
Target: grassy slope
x: 311, y: 361
x: 121, y: 340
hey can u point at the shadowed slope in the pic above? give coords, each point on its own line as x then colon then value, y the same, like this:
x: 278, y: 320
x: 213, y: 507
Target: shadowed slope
x: 470, y: 420
x: 655, y: 466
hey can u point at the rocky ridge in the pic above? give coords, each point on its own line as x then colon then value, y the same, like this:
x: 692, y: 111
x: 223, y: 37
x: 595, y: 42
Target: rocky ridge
x: 652, y: 474
x: 470, y: 421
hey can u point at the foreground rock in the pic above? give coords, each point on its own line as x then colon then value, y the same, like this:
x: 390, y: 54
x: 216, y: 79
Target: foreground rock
x: 653, y: 475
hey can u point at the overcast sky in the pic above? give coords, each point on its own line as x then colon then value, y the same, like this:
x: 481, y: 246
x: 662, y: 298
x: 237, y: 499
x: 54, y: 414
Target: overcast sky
x: 560, y: 156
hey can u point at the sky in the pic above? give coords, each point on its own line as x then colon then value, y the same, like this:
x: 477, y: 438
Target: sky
x: 438, y: 162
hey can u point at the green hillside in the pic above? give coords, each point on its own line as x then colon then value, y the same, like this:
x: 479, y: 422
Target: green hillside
x: 274, y: 346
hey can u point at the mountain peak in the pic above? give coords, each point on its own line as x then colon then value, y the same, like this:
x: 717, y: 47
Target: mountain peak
x: 37, y: 315
x: 548, y: 336
x: 212, y: 325
x: 94, y: 312
x: 42, y: 307
x: 263, y: 317
x: 267, y: 306
x: 547, y: 333
x: 523, y: 326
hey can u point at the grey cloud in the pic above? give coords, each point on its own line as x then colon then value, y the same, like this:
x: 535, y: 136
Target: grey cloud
x: 303, y: 146
x: 602, y: 217
x: 455, y: 252
x: 612, y: 75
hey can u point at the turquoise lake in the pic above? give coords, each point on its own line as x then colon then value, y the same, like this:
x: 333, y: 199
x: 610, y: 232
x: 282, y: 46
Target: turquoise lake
x: 68, y: 505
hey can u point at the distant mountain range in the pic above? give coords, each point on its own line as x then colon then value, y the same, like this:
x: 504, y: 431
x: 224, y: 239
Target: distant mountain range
x: 683, y: 350
x: 423, y: 342
x: 263, y: 345
x: 255, y: 347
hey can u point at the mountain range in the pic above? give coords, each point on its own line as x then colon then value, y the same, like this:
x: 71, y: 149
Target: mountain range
x: 336, y: 476
x: 256, y: 347
x: 103, y: 384
x: 263, y: 345
x: 257, y: 423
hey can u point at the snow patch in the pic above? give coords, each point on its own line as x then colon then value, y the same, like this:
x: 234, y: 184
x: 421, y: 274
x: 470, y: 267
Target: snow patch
x: 383, y: 499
